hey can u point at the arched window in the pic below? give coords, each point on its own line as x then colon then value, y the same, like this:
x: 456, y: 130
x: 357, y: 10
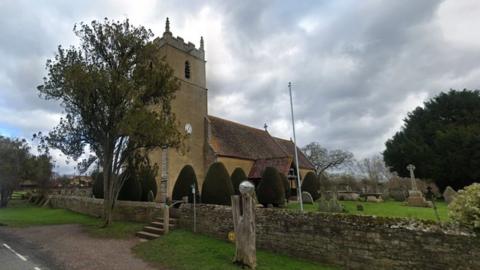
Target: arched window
x: 187, y: 69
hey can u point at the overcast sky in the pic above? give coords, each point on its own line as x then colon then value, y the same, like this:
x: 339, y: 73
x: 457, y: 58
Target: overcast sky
x: 357, y: 67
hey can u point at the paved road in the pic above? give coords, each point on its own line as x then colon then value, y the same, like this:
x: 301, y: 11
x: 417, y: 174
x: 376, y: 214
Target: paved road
x: 18, y: 254
x: 58, y: 247
x: 12, y: 260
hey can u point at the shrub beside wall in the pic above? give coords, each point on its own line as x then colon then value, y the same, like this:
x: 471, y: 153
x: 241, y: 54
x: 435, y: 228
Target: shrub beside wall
x: 271, y: 189
x: 286, y: 186
x: 238, y: 176
x: 131, y: 189
x: 311, y: 184
x: 97, y: 188
x: 147, y: 176
x: 465, y: 208
x: 217, y: 188
x: 183, y: 185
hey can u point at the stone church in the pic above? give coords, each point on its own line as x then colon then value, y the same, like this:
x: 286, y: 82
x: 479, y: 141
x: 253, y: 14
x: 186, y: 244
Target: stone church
x: 210, y: 138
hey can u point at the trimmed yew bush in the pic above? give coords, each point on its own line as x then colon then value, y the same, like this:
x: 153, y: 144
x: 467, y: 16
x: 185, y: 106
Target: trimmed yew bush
x: 286, y: 186
x: 238, y: 176
x: 97, y: 188
x: 311, y: 184
x: 131, y: 189
x: 217, y: 187
x: 183, y: 185
x: 146, y: 175
x: 271, y: 190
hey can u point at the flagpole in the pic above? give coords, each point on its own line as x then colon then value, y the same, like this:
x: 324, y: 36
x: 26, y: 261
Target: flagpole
x: 299, y: 186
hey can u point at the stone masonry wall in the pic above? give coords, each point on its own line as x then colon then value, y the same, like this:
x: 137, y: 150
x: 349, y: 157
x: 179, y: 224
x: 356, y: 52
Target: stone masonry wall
x: 124, y: 210
x: 348, y: 241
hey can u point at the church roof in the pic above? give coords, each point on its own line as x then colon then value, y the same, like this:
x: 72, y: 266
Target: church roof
x: 303, y: 161
x: 230, y: 139
x: 281, y: 164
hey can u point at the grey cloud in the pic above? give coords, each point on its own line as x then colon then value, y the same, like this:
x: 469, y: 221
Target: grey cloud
x: 356, y: 71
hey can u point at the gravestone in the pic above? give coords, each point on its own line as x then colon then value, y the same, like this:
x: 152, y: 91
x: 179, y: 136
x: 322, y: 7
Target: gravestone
x: 348, y: 196
x: 449, y: 194
x: 415, y: 196
x: 376, y: 199
x: 307, y: 198
x: 330, y: 206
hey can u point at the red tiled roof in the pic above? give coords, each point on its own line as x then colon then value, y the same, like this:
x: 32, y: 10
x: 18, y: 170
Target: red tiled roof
x: 303, y: 161
x: 281, y: 164
x: 230, y: 139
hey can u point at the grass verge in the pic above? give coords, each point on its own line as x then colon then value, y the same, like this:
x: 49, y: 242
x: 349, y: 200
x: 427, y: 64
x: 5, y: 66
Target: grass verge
x: 183, y: 250
x: 386, y: 209
x: 23, y: 214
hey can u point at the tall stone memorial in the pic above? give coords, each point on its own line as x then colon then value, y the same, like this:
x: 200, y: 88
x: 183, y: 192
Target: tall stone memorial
x: 415, y: 196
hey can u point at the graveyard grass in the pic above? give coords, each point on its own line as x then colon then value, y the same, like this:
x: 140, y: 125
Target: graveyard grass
x: 183, y: 250
x: 22, y: 214
x: 385, y: 209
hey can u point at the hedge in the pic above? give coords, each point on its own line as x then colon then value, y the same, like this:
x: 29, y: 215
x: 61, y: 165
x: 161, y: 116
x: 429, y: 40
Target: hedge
x: 183, y: 185
x: 238, y: 176
x: 217, y: 187
x: 311, y: 184
x: 271, y: 190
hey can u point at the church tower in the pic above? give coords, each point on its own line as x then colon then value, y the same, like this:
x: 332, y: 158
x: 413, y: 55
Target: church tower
x: 189, y: 106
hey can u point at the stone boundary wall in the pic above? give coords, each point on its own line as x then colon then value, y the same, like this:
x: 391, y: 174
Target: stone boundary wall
x: 73, y: 191
x: 348, y: 241
x: 124, y: 210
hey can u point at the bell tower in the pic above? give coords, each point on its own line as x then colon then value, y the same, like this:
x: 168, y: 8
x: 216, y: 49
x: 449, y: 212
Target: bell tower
x: 189, y: 105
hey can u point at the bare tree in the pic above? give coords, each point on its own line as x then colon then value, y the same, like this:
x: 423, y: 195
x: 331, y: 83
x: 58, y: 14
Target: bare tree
x: 324, y: 159
x: 373, y: 171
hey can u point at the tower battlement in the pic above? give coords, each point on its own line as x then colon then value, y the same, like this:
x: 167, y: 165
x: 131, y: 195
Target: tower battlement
x: 179, y: 43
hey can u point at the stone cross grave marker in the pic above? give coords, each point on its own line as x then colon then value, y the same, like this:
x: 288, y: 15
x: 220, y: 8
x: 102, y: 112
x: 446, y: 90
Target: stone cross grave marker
x: 411, y: 168
x: 415, y: 197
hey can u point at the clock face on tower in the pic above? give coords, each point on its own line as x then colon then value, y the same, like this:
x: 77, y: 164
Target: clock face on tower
x: 188, y: 128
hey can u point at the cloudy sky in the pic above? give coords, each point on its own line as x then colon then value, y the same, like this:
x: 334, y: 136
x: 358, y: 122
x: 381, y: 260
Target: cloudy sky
x: 357, y: 67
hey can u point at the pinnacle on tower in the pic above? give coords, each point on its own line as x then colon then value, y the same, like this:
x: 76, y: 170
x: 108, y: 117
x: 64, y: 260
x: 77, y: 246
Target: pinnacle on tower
x: 167, y: 26
x: 201, y: 43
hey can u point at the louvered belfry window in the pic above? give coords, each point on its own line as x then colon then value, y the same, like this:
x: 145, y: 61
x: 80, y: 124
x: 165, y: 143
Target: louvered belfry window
x: 187, y: 69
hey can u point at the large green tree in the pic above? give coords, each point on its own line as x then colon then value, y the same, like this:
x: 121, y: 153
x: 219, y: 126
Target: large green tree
x: 116, y: 91
x: 442, y: 140
x: 14, y: 155
x: 40, y: 171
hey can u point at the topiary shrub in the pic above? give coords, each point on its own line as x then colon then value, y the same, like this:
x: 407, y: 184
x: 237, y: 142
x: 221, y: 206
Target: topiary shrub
x: 238, y: 176
x: 146, y: 174
x: 286, y: 186
x: 183, y: 185
x: 97, y: 188
x: 465, y: 208
x: 271, y: 189
x: 217, y: 188
x: 131, y: 189
x: 311, y: 184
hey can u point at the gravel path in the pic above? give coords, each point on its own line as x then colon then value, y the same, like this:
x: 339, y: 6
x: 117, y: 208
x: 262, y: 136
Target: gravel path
x: 72, y: 248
